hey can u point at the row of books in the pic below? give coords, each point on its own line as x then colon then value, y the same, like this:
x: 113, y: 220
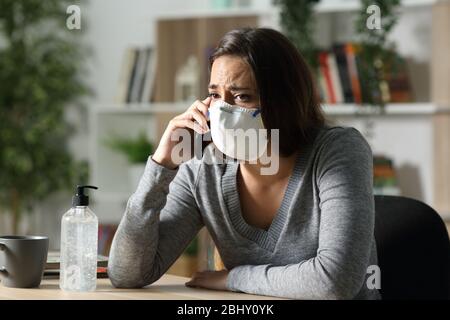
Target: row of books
x: 384, y: 176
x: 137, y: 76
x: 340, y: 77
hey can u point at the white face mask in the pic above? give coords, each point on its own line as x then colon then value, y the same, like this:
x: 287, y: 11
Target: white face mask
x: 237, y: 132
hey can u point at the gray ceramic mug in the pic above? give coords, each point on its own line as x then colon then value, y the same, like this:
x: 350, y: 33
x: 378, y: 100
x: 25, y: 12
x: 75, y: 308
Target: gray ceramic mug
x: 22, y: 260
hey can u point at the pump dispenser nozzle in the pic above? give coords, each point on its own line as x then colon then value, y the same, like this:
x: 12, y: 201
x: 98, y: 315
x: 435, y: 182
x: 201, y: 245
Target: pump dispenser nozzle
x: 80, y: 199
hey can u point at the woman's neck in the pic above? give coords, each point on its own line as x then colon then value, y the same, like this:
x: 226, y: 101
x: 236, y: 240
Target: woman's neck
x: 286, y: 165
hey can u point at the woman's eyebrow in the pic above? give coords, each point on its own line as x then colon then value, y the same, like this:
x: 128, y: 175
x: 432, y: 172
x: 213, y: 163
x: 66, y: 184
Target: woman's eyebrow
x: 231, y: 87
x: 237, y: 88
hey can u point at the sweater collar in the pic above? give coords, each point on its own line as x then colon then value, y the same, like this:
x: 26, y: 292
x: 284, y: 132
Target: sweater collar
x: 265, y: 238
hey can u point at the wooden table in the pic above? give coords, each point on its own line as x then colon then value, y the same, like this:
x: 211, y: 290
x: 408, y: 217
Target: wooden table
x: 169, y: 287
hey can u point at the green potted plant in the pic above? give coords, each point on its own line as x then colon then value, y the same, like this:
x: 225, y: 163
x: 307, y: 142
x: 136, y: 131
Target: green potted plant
x: 298, y: 23
x: 376, y: 50
x: 137, y: 150
x: 40, y: 77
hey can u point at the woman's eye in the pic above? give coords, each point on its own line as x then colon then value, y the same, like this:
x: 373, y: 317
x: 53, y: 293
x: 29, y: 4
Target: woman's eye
x: 214, y: 95
x: 243, y: 97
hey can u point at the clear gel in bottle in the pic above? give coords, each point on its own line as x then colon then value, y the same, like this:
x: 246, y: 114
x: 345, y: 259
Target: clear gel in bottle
x: 79, y: 236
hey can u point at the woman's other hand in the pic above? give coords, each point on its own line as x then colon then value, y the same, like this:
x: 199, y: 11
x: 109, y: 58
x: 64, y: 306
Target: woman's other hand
x: 214, y: 280
x: 194, y: 118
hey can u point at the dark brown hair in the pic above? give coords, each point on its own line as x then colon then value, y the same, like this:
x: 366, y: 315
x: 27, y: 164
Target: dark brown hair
x: 287, y: 93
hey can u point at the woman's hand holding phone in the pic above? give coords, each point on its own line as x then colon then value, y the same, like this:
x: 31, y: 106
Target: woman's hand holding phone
x: 194, y: 118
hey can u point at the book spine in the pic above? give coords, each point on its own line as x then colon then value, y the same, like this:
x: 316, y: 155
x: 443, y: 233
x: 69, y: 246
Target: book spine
x: 335, y: 80
x: 323, y: 62
x: 125, y: 76
x: 133, y: 76
x: 353, y: 72
x: 148, y: 82
x: 341, y: 61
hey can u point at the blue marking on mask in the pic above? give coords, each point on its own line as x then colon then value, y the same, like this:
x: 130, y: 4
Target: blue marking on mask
x: 258, y: 111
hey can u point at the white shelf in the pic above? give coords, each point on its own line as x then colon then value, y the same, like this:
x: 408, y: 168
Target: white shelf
x: 330, y: 109
x: 324, y: 6
x: 213, y: 13
x: 405, y: 109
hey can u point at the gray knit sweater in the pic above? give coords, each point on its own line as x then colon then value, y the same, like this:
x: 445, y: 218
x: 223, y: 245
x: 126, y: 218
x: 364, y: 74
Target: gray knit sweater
x: 318, y: 246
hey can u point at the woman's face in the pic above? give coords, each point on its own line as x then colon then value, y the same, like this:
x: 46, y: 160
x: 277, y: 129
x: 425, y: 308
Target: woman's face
x: 232, y: 81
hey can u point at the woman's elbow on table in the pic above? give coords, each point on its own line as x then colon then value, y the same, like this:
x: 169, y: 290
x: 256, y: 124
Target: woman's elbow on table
x: 341, y: 286
x: 330, y: 281
x: 125, y: 278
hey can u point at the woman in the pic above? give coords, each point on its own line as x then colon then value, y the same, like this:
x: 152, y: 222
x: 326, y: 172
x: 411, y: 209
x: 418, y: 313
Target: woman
x: 305, y: 231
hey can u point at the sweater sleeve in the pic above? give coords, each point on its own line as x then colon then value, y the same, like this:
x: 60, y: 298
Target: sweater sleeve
x: 344, y: 180
x: 160, y: 220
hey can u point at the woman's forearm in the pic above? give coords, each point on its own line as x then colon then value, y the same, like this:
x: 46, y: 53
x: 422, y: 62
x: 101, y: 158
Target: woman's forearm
x: 135, y: 243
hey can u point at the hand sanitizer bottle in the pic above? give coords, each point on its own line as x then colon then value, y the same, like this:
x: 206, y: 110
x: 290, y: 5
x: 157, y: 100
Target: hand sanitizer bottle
x: 79, y: 234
